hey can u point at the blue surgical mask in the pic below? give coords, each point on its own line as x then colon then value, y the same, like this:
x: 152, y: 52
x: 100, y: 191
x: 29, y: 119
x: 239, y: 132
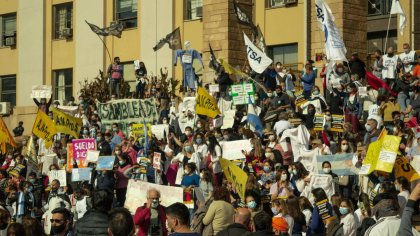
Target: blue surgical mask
x: 397, y: 188
x: 275, y: 211
x: 98, y: 139
x: 199, y: 141
x: 85, y: 132
x: 266, y: 168
x: 252, y: 205
x: 187, y: 148
x: 344, y: 210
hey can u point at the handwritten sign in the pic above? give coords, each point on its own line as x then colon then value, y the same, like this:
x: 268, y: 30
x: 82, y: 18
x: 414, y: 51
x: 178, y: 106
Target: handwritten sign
x: 81, y: 174
x: 81, y: 146
x: 128, y: 111
x: 60, y: 175
x: 41, y: 91
x: 105, y: 163
x: 156, y: 160
x: 92, y: 156
x: 214, y: 88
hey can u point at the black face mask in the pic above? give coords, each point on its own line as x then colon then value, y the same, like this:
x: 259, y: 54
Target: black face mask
x: 58, y: 229
x: 390, y: 54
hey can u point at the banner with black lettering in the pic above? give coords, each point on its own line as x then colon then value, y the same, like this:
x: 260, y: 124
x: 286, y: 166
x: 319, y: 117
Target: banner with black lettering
x: 256, y: 58
x: 125, y: 111
x: 66, y: 123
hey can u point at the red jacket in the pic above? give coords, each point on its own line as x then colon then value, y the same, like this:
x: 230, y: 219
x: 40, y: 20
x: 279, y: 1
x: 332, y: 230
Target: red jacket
x: 142, y: 219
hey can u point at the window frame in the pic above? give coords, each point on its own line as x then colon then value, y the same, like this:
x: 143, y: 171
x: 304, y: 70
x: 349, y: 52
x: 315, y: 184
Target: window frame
x: 56, y: 87
x: 3, y: 33
x: 188, y: 10
x: 270, y: 53
x: 68, y: 20
x: 269, y: 3
x: 132, y: 19
x: 8, y: 92
x: 384, y: 8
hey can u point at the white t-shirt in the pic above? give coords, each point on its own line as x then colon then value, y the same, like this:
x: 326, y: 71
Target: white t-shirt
x: 349, y: 225
x: 402, y: 200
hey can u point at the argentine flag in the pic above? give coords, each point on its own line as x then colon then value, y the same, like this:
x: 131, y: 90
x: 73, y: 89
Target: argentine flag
x: 253, y: 120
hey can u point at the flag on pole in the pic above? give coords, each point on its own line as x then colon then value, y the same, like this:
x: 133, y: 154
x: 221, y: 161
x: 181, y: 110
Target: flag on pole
x: 256, y: 58
x: 115, y: 29
x: 376, y: 83
x: 205, y: 104
x: 5, y: 137
x: 397, y: 9
x: 173, y: 39
x: 334, y: 44
x: 253, y: 119
x: 259, y: 40
x: 214, y: 64
x: 231, y: 70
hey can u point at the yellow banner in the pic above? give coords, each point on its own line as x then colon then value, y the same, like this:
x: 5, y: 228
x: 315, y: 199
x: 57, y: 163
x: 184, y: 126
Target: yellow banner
x: 205, y: 104
x: 138, y: 129
x: 67, y: 124
x: 235, y: 175
x: 230, y: 69
x: 404, y: 168
x: 381, y: 154
x: 5, y: 136
x: 44, y: 128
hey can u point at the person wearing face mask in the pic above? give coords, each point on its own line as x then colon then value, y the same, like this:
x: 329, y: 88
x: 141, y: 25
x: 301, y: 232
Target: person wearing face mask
x: 282, y: 187
x: 206, y: 184
x: 357, y: 66
x: 268, y: 173
x: 117, y: 132
x: 254, y: 207
x: 403, y: 188
x: 326, y: 169
x: 280, y: 210
x: 280, y: 102
x: 353, y: 107
x: 151, y: 217
x: 301, y: 177
x: 390, y: 62
x: 25, y: 202
x: 189, y: 133
x: 347, y: 218
x: 124, y: 163
x: 56, y: 199
x: 377, y: 64
x: 104, y: 147
x: 372, y: 132
x: 408, y: 59
x: 200, y: 147
x: 43, y: 105
x: 61, y: 222
x: 190, y: 180
x: 308, y: 80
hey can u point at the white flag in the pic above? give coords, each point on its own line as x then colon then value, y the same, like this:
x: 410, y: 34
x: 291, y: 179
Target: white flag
x: 256, y: 58
x: 397, y: 9
x: 334, y: 44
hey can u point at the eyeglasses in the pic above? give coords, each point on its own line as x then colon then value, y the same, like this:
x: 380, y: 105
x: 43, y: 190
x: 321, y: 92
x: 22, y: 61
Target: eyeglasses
x: 56, y: 220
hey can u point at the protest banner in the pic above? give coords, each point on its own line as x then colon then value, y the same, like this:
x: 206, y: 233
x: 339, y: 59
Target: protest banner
x: 67, y: 124
x: 214, y: 88
x: 228, y: 119
x: 137, y: 194
x: 92, y: 156
x: 126, y: 111
x: 319, y: 120
x: 242, y: 93
x: 41, y: 91
x: 337, y: 123
x: 341, y: 164
x: 232, y: 150
x: 205, y: 104
x: 235, y: 175
x: 80, y: 148
x: 138, y: 129
x: 69, y: 110
x: 81, y: 174
x: 160, y: 131
x: 60, y: 175
x: 403, y: 168
x: 105, y: 163
x: 44, y: 128
x: 381, y: 155
x: 156, y: 160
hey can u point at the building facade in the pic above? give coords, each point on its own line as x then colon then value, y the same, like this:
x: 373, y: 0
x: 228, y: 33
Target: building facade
x: 48, y: 41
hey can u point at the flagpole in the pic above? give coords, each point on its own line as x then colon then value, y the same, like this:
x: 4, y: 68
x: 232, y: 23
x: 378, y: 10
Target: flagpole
x: 103, y: 42
x: 387, y: 32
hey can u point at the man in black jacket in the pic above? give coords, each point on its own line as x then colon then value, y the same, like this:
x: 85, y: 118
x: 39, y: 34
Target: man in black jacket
x: 239, y: 227
x: 103, y: 145
x: 95, y: 220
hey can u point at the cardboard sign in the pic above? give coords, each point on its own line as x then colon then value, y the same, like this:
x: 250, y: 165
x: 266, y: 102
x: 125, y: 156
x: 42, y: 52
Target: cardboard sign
x: 214, y: 88
x: 156, y: 160
x: 41, y: 91
x: 160, y: 131
x: 60, y: 175
x: 319, y: 122
x: 232, y: 150
x: 105, y: 163
x: 81, y: 174
x: 218, y: 122
x: 137, y: 194
x: 92, y: 156
x: 381, y: 154
x: 242, y: 93
x: 138, y: 129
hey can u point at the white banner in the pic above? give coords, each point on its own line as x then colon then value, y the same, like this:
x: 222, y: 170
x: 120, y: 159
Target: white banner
x: 334, y: 44
x: 232, y: 150
x: 256, y: 58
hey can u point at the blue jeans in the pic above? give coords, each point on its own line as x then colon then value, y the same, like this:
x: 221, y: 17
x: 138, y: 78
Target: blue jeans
x: 402, y: 100
x: 114, y: 87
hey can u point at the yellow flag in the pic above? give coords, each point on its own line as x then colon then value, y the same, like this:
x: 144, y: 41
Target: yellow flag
x: 382, y: 153
x: 67, y: 124
x: 230, y: 69
x: 235, y: 175
x: 5, y: 136
x: 403, y: 168
x: 205, y: 104
x: 44, y: 128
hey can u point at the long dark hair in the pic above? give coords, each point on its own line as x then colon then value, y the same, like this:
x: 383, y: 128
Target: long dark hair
x: 319, y: 194
x: 293, y: 209
x: 301, y: 171
x: 212, y: 144
x: 207, y: 176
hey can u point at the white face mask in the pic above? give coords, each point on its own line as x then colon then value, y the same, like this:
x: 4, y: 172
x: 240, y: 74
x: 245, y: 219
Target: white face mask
x: 326, y: 170
x: 344, y: 147
x: 283, y: 177
x: 186, y: 172
x: 269, y: 95
x: 198, y: 125
x: 188, y: 133
x: 267, y: 154
x: 271, y: 138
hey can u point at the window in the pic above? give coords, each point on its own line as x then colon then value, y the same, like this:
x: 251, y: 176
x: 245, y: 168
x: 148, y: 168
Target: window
x: 63, y: 84
x: 194, y: 9
x: 126, y: 12
x: 63, y: 21
x: 379, y: 7
x: 8, y: 30
x: 8, y: 89
x: 279, y: 3
x: 286, y: 54
x: 376, y: 40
